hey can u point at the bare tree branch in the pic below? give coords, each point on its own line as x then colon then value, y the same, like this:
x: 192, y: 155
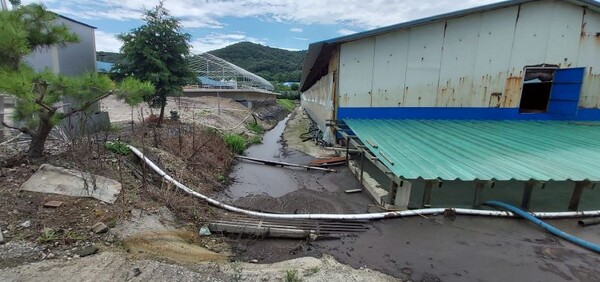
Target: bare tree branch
x: 22, y: 129
x: 86, y: 105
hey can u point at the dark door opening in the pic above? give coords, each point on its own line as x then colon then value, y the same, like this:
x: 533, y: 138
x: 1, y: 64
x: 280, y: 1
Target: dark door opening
x: 535, y: 94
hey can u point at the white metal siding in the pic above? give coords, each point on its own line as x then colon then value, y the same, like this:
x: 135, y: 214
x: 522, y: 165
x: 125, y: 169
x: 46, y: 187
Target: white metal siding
x: 423, y: 65
x: 356, y: 73
x: 389, y: 69
x: 471, y: 61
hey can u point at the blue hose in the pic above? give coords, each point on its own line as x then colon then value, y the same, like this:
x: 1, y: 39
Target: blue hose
x: 546, y: 226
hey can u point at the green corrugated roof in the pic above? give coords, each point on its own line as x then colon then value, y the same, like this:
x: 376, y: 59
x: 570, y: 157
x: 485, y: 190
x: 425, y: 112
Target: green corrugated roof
x: 484, y: 150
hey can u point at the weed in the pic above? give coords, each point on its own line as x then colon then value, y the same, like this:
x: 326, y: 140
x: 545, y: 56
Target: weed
x: 223, y: 179
x: 291, y: 275
x: 117, y: 147
x: 74, y: 236
x: 203, y: 113
x: 255, y: 139
x: 112, y: 223
x: 287, y: 104
x: 235, y: 143
x: 48, y: 235
x: 255, y: 127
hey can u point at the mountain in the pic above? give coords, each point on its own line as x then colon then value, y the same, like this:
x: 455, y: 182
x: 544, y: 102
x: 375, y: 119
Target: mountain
x: 273, y: 64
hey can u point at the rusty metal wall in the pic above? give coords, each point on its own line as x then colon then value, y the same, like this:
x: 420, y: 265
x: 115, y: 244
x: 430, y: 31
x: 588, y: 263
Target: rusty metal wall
x: 472, y: 61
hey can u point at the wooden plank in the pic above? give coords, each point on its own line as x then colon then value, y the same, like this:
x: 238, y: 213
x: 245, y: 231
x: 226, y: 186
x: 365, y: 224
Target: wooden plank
x: 270, y: 162
x: 317, y: 162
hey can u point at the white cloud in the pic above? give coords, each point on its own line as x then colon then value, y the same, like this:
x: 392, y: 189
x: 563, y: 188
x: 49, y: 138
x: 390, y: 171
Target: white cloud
x: 300, y: 38
x: 345, y: 31
x: 295, y: 29
x: 200, y: 14
x: 107, y: 42
x: 219, y: 40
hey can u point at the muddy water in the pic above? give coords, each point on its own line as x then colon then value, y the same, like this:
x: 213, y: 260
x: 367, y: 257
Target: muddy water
x: 418, y: 248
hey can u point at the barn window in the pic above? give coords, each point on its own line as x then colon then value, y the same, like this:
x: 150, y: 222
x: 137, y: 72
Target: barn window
x: 535, y: 94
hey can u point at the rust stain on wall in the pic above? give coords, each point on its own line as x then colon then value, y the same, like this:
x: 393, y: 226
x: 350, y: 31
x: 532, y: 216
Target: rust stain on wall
x: 512, y: 92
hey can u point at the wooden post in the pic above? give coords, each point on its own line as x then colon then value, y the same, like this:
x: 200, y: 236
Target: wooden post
x: 577, y: 192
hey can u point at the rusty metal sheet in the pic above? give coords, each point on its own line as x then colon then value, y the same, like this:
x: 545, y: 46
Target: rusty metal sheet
x: 491, y: 67
x: 356, y: 73
x: 484, y: 150
x: 589, y: 55
x: 461, y: 41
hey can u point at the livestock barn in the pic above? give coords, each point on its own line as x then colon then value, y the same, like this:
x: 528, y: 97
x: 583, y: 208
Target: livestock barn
x: 494, y: 102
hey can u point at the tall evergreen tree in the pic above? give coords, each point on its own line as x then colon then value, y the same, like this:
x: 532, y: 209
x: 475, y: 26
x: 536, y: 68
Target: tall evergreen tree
x: 157, y: 52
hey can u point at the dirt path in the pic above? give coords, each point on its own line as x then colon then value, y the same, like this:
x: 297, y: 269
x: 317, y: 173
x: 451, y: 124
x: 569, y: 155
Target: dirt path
x: 117, y: 266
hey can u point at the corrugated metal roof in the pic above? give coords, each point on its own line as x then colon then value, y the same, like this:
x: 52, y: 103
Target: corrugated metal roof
x: 484, y: 150
x: 320, y: 51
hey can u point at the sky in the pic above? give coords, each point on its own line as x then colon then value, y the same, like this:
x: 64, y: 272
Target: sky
x: 286, y: 24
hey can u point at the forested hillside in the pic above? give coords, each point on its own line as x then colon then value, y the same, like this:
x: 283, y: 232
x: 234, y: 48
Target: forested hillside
x: 273, y: 64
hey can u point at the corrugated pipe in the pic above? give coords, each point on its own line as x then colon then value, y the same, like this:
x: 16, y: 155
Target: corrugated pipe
x: 545, y: 226
x: 360, y: 216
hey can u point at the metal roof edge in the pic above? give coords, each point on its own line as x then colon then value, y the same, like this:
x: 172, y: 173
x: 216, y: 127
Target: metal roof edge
x: 76, y: 21
x: 316, y: 47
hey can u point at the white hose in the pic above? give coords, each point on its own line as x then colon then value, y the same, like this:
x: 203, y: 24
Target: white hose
x: 358, y: 216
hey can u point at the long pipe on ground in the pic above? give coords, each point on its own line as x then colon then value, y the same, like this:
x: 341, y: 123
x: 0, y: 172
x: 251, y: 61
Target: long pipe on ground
x: 588, y: 222
x: 555, y: 231
x: 360, y: 216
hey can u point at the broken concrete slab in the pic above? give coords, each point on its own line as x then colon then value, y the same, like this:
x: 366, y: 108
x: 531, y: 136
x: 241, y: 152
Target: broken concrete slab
x: 58, y: 180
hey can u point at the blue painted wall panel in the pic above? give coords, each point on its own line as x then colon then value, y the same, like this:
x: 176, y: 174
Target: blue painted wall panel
x: 458, y: 113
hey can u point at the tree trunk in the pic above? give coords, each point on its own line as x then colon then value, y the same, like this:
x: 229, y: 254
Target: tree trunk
x: 162, y: 114
x: 38, y: 140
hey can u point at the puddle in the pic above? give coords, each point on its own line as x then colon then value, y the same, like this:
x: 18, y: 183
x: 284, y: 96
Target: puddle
x: 258, y: 179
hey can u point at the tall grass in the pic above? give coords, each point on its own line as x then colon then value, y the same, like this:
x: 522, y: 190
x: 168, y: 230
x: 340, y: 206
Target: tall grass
x: 287, y: 104
x: 235, y: 143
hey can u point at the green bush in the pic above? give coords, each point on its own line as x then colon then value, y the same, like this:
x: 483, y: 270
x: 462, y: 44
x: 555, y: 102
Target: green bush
x: 235, y: 142
x: 118, y: 147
